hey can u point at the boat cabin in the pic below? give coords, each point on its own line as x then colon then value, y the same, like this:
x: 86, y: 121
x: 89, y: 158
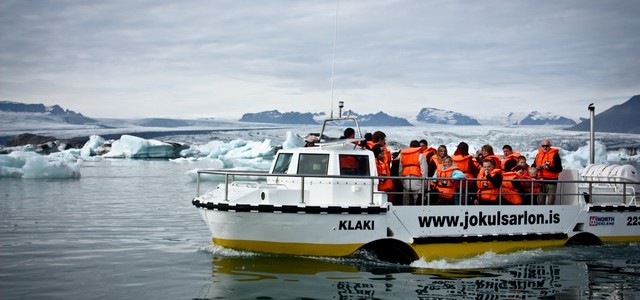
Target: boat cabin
x: 334, y: 173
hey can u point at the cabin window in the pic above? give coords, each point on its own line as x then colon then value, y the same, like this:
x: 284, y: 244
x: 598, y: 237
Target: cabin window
x: 282, y: 163
x: 313, y: 164
x: 354, y: 165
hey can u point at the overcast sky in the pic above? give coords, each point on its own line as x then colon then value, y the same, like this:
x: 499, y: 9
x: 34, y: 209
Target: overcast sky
x: 186, y: 59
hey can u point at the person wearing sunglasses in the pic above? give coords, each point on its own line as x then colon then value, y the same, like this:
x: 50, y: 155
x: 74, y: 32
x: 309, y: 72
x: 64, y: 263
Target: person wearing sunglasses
x: 549, y: 166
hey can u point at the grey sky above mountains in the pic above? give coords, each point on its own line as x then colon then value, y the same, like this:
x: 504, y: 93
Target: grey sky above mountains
x: 224, y: 58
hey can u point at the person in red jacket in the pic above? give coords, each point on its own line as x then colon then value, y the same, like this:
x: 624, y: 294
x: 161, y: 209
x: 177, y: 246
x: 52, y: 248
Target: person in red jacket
x: 549, y: 166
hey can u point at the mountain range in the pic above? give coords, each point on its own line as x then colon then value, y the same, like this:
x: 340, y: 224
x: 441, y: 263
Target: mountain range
x: 620, y: 118
x: 53, y: 113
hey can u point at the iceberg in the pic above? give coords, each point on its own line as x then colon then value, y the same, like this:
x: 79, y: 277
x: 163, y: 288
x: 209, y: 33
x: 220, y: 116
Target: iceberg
x: 129, y: 146
x: 21, y: 164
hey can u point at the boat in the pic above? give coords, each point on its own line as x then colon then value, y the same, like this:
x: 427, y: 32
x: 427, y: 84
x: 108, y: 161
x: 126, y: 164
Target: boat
x: 308, y: 205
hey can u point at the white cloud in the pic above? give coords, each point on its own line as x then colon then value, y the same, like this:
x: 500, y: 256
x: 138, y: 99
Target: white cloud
x: 224, y: 58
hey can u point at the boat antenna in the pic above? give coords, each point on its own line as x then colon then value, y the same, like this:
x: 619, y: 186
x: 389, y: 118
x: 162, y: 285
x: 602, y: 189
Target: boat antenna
x: 333, y: 63
x: 592, y: 147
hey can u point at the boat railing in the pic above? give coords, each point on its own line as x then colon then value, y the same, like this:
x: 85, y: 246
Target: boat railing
x: 567, y: 192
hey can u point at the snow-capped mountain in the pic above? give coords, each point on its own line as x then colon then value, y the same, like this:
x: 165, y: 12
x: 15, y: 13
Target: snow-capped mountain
x: 274, y: 116
x: 52, y: 113
x: 538, y: 118
x: 621, y: 118
x: 378, y: 119
x: 439, y: 116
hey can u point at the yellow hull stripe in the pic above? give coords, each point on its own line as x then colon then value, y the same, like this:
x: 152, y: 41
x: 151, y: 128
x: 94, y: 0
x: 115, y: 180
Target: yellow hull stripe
x: 290, y: 248
x: 464, y: 250
x: 620, y: 239
x: 427, y: 251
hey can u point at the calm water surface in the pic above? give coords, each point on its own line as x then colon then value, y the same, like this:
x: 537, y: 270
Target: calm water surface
x: 126, y: 229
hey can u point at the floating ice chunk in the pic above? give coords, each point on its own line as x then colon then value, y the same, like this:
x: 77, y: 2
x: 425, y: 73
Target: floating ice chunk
x: 129, y: 146
x: 292, y: 141
x: 32, y: 165
x: 91, y: 147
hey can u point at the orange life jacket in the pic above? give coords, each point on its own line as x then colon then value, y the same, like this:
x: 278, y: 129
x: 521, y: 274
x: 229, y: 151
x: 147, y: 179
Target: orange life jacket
x: 410, y: 159
x: 509, y: 192
x: 496, y: 161
x: 542, y: 158
x: 511, y: 156
x: 526, y: 185
x: 445, y: 185
x: 486, y: 190
x: 429, y: 152
x: 464, y: 164
x: 384, y: 170
x: 387, y: 153
x: 439, y: 162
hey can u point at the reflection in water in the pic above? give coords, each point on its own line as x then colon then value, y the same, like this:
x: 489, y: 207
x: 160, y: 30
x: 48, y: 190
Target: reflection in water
x: 285, y: 277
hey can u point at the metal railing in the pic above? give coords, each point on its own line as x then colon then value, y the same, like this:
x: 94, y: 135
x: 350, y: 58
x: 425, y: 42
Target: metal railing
x: 465, y: 190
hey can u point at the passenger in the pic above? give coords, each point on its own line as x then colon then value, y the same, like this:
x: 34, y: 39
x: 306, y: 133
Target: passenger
x: 549, y: 166
x: 365, y: 143
x: 487, y: 153
x: 412, y: 164
x: 397, y: 183
x: 348, y: 133
x: 447, y: 183
x: 511, y: 186
x: 532, y: 187
x: 311, y: 140
x: 464, y: 161
x: 510, y: 159
x: 427, y: 151
x: 522, y: 161
x: 385, y: 185
x: 490, y: 180
x: 380, y: 138
x: 437, y: 160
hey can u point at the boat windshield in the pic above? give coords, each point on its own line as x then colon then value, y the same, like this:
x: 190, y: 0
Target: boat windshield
x: 313, y: 164
x: 282, y: 163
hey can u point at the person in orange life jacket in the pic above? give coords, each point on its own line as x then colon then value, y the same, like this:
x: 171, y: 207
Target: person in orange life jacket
x: 512, y: 187
x: 487, y: 153
x: 447, y: 181
x: 466, y: 164
x: 437, y: 160
x: 549, y: 166
x: 428, y: 153
x: 490, y: 180
x: 464, y: 161
x: 367, y: 139
x: 383, y: 169
x: 522, y: 161
x: 510, y: 159
x: 412, y: 164
x: 380, y: 138
x: 532, y: 188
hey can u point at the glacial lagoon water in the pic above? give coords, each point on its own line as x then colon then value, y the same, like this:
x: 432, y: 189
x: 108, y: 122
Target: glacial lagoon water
x: 126, y: 229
